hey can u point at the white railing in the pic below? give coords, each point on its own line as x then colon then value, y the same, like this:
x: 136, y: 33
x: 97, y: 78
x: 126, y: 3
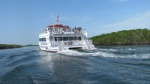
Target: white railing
x: 67, y: 43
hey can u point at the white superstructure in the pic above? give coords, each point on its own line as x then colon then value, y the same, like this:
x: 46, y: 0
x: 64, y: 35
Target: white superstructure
x: 60, y: 38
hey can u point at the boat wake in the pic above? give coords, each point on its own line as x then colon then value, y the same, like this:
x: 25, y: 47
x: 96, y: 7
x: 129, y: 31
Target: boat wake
x: 30, y: 66
x: 110, y: 53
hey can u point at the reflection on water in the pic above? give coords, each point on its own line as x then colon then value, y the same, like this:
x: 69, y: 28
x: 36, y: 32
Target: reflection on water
x: 64, y: 69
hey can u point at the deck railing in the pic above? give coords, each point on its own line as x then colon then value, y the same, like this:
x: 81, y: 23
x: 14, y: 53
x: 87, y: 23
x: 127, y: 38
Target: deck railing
x: 67, y: 43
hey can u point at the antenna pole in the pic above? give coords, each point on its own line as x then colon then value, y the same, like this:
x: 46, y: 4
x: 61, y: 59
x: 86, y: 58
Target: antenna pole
x: 57, y: 21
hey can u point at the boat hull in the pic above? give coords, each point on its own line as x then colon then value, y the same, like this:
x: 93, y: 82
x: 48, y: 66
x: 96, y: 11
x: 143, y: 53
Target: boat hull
x: 57, y: 48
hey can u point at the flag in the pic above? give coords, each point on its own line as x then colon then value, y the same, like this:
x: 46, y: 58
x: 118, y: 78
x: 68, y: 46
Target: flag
x: 57, y: 18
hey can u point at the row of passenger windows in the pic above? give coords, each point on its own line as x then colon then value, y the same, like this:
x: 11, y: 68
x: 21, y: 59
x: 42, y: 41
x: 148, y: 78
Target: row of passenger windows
x: 42, y: 39
x: 61, y: 38
x: 66, y: 38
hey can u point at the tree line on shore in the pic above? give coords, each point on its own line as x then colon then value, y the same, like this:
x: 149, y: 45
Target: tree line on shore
x: 124, y: 37
x: 7, y: 46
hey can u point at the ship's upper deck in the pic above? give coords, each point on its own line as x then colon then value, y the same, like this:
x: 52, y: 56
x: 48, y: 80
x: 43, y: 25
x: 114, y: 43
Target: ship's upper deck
x: 60, y: 29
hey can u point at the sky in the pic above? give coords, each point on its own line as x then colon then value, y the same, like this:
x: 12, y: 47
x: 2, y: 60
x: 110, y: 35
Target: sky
x: 21, y: 21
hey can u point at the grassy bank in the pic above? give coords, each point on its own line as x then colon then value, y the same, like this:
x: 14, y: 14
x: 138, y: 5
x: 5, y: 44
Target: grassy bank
x: 7, y: 46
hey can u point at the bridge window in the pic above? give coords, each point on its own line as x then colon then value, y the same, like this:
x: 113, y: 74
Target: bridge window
x: 70, y: 38
x: 79, y: 38
x: 51, y: 38
x: 65, y: 38
x: 55, y: 38
x: 42, y: 39
x: 60, y: 38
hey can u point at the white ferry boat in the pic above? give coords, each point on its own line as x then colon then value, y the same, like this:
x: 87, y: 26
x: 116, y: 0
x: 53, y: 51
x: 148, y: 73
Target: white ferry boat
x: 60, y: 37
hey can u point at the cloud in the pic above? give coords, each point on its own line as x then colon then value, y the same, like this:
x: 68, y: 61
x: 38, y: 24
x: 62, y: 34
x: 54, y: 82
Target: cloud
x: 139, y: 21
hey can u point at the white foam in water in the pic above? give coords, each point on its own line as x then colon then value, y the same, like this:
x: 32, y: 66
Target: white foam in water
x: 111, y: 50
x: 139, y: 56
x: 71, y: 53
x: 77, y: 53
x: 107, y: 53
x: 146, y: 57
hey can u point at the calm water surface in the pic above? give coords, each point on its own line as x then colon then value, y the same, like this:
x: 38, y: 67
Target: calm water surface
x: 104, y: 65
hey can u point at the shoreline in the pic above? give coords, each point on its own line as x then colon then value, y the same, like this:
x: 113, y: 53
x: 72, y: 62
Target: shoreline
x: 9, y: 46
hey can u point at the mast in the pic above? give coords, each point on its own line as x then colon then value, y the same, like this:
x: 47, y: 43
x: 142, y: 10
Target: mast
x: 57, y: 20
